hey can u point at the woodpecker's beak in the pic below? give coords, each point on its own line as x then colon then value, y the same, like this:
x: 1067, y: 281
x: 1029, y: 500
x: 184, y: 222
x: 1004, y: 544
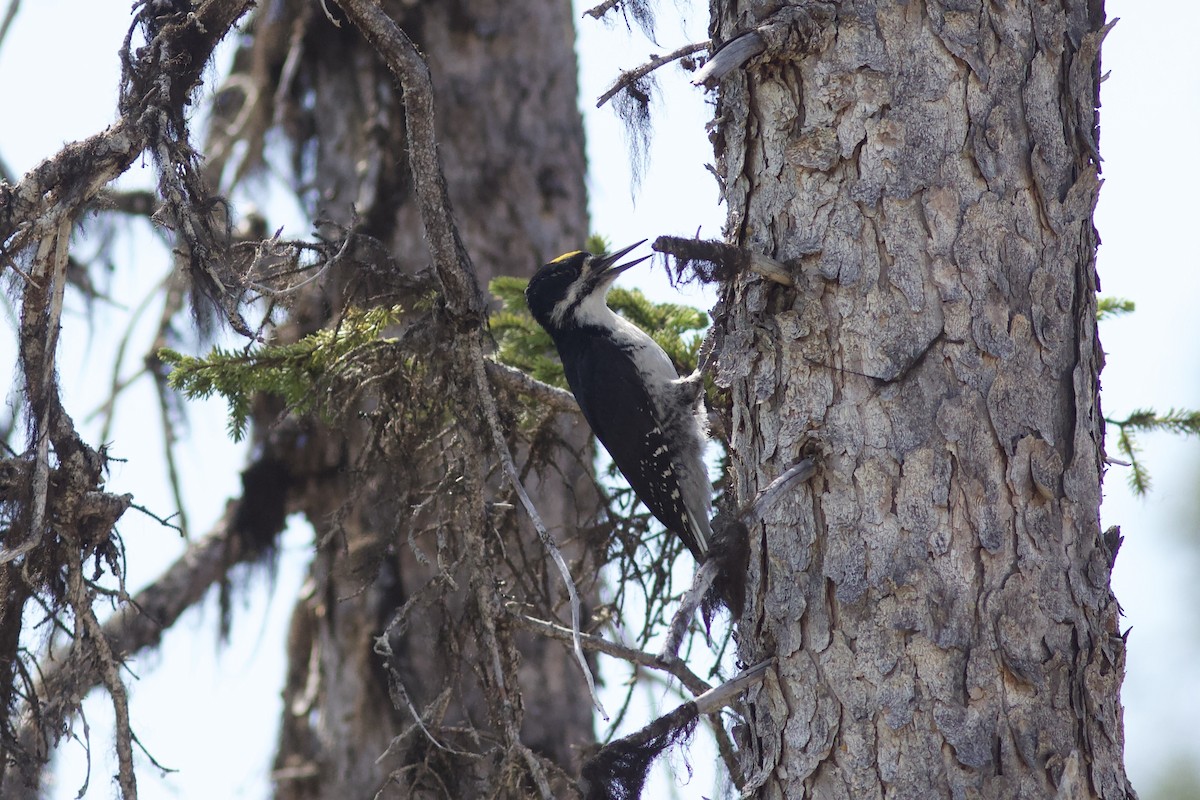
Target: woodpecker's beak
x: 608, y: 267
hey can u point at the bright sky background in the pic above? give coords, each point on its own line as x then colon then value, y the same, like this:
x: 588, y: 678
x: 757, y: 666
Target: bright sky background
x: 59, y: 90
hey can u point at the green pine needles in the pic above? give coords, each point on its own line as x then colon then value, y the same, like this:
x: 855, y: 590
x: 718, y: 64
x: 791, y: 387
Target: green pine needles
x: 1145, y: 420
x: 299, y: 373
x: 1142, y: 420
x: 305, y: 373
x: 1109, y: 307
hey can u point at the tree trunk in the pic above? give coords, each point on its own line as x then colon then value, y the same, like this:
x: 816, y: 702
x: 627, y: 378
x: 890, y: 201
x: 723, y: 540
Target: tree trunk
x: 511, y: 142
x: 938, y: 597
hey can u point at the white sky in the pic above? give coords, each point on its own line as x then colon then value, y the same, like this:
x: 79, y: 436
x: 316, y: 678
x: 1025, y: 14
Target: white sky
x: 59, y: 93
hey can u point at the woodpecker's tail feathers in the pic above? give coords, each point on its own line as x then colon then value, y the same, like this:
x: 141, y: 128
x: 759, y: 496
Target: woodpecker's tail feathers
x: 702, y: 536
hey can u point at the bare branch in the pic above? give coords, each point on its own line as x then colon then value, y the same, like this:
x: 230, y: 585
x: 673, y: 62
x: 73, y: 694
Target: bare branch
x: 676, y: 668
x: 598, y: 11
x: 726, y: 260
x: 107, y: 665
x: 67, y: 677
x: 619, y: 768
x: 41, y: 311
x: 731, y: 56
x: 140, y: 625
x: 13, y: 7
x: 788, y: 32
x: 720, y: 696
x: 78, y: 172
x: 510, y: 470
x: 630, y: 77
x: 135, y: 202
x: 518, y: 382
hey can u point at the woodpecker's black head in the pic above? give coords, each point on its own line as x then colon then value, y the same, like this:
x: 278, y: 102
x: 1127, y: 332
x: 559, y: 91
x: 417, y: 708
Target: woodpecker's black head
x: 555, y: 293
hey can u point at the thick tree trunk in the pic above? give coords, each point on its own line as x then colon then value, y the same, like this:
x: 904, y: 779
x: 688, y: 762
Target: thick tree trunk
x: 511, y: 141
x: 938, y: 598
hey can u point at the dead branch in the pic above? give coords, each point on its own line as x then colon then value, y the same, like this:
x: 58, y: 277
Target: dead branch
x: 488, y: 401
x: 788, y: 32
x: 675, y: 668
x: 598, y: 11
x: 13, y: 7
x: 619, y: 768
x: 522, y: 383
x: 715, y: 261
x: 631, y: 77
x: 59, y: 186
x: 732, y: 55
x: 107, y: 665
x: 139, y: 625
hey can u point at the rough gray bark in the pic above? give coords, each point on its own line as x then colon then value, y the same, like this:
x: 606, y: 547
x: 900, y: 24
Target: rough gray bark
x: 938, y: 598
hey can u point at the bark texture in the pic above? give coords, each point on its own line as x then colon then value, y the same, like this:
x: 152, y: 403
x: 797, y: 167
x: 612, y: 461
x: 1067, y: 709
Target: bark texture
x: 511, y: 142
x: 938, y: 598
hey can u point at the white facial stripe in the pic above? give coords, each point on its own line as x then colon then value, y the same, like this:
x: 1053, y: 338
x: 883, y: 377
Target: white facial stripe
x: 560, y: 310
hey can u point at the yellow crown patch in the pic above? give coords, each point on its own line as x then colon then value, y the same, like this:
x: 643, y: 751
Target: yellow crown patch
x: 566, y: 256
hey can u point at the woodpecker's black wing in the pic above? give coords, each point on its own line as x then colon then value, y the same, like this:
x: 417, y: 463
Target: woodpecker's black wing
x: 625, y: 421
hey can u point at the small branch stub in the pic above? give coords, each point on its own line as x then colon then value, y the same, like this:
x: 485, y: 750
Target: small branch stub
x: 714, y: 261
x: 787, y: 32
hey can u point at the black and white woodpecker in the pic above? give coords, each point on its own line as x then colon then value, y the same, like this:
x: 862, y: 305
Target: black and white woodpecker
x: 651, y: 421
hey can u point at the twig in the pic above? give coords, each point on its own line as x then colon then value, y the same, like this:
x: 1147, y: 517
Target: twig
x: 629, y: 77
x: 136, y: 202
x: 709, y: 570
x: 163, y: 393
x: 107, y: 665
x: 619, y: 768
x: 731, y: 56
x: 677, y: 669
x: 596, y: 12
x: 522, y: 383
x: 141, y: 623
x: 510, y: 470
x: 489, y: 609
x: 166, y: 523
x: 702, y: 581
x: 13, y: 7
x: 59, y: 187
x: 116, y: 384
x: 720, y: 696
